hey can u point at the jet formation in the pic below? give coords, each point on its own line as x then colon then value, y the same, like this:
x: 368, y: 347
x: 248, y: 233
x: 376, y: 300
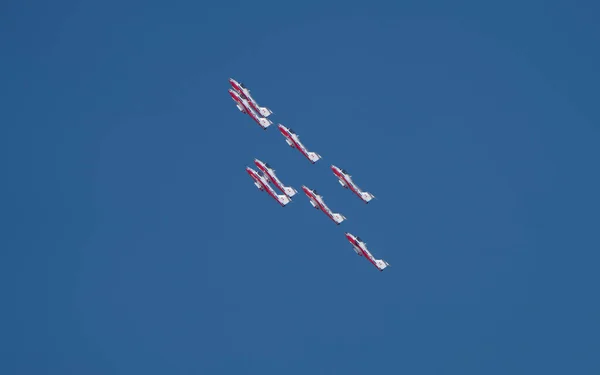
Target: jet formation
x: 265, y: 176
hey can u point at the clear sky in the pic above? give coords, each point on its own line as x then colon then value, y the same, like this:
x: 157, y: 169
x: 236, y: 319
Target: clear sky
x: 134, y: 242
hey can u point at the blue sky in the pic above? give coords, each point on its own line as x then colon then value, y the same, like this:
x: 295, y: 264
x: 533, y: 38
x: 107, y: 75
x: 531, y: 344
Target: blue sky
x: 135, y: 242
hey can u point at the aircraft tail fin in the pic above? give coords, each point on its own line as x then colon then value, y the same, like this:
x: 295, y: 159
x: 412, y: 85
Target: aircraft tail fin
x: 264, y: 111
x: 367, y: 196
x: 338, y: 218
x: 313, y: 157
x: 289, y: 191
x: 381, y: 264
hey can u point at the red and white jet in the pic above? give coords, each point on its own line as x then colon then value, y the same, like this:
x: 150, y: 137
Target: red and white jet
x: 244, y: 107
x: 346, y: 181
x: 245, y: 93
x: 263, y: 185
x: 293, y: 140
x: 361, y: 249
x: 317, y: 202
x: 269, y: 174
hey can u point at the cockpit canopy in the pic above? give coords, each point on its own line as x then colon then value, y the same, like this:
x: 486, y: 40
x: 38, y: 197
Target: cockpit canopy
x: 291, y: 131
x: 344, y: 171
x: 358, y: 238
x: 242, y: 84
x: 267, y: 165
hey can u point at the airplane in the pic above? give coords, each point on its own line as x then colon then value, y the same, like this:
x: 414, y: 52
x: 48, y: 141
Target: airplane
x: 263, y: 185
x: 293, y: 140
x: 360, y: 248
x: 269, y: 174
x: 317, y: 202
x: 345, y: 180
x: 245, y: 93
x: 244, y: 107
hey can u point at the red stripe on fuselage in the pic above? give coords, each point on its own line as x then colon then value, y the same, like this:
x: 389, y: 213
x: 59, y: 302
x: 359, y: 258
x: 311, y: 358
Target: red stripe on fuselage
x: 276, y: 182
x: 268, y: 188
x: 249, y: 111
x: 242, y: 92
x: 325, y: 209
x: 273, y: 179
x: 365, y: 253
x: 235, y: 86
x: 299, y: 147
x: 251, y: 102
x: 251, y: 114
x: 236, y: 98
x: 351, y: 186
x: 241, y: 102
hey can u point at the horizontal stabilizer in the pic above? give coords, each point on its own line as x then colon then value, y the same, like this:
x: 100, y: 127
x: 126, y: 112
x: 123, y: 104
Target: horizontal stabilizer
x: 313, y: 157
x: 381, y: 264
x: 265, y: 123
x: 289, y: 191
x: 338, y: 218
x: 264, y: 111
x: 283, y: 199
x: 367, y: 196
